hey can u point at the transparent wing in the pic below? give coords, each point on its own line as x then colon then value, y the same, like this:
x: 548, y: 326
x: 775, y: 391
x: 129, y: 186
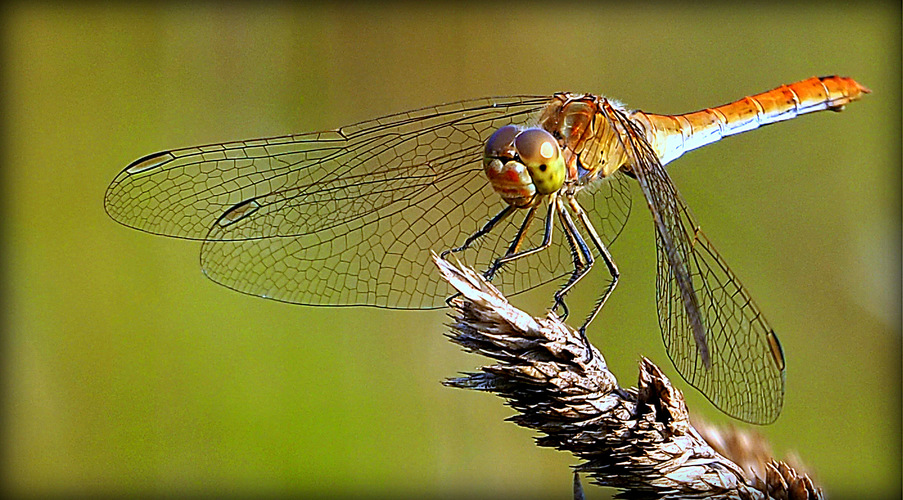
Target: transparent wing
x: 714, y: 333
x: 359, y: 168
x: 344, y: 217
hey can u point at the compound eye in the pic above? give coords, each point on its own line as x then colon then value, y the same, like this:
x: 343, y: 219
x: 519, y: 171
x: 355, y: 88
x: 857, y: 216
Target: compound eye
x: 536, y: 147
x: 539, y: 152
x: 500, y: 144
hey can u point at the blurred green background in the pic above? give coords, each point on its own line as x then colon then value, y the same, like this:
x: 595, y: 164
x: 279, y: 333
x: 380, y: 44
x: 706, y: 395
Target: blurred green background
x: 128, y: 372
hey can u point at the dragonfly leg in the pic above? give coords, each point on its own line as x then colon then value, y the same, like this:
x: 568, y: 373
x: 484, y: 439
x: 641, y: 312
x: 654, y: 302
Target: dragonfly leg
x: 513, y: 251
x: 579, y: 247
x: 613, y: 269
x: 606, y: 257
x: 483, y: 231
x: 583, y: 260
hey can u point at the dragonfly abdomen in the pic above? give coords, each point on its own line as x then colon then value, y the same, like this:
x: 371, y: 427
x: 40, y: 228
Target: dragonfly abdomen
x: 673, y: 135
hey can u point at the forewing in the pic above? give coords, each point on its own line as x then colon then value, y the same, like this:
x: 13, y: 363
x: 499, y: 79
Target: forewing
x: 344, y: 217
x: 745, y: 375
x: 319, y: 179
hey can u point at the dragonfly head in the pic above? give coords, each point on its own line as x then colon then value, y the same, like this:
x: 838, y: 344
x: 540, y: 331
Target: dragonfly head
x: 522, y: 163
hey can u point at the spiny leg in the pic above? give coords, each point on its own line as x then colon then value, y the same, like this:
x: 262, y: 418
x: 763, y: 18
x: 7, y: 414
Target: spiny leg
x: 483, y: 231
x: 609, y: 262
x: 513, y: 253
x: 514, y: 246
x: 583, y: 259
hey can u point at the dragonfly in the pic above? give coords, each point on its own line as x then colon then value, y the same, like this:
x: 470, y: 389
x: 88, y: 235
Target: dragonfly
x: 534, y: 189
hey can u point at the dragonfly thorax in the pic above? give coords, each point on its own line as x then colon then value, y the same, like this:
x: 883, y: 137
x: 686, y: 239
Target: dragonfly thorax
x: 591, y: 142
x: 523, y: 164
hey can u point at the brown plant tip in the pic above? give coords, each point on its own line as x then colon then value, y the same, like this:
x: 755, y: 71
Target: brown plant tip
x: 639, y: 440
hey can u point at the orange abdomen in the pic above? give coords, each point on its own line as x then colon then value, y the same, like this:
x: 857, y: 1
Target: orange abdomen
x: 673, y: 135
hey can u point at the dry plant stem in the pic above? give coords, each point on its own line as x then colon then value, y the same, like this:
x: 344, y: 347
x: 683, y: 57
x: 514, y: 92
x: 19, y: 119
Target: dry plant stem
x: 639, y: 440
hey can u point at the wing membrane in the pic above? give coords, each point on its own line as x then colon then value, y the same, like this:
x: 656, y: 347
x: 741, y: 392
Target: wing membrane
x: 180, y: 193
x: 714, y: 333
x: 347, y: 217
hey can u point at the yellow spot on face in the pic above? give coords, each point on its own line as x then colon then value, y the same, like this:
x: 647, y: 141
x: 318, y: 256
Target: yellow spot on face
x: 547, y: 150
